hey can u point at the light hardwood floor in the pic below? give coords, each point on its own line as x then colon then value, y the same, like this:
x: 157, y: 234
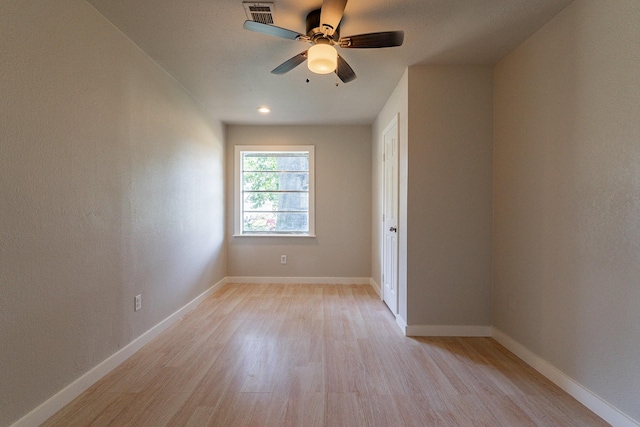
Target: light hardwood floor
x: 317, y: 355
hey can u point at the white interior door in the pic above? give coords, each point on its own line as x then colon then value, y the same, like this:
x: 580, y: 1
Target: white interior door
x: 390, y: 217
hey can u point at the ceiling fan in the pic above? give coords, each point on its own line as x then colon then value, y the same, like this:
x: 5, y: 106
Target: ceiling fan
x: 323, y: 33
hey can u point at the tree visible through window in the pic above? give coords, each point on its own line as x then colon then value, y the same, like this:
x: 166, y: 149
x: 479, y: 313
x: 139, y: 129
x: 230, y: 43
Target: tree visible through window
x: 276, y: 190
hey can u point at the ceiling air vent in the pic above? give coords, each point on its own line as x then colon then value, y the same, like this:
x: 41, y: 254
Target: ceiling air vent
x: 260, y: 12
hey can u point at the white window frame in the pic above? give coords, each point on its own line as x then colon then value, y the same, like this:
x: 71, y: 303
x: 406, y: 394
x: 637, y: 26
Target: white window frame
x: 238, y: 212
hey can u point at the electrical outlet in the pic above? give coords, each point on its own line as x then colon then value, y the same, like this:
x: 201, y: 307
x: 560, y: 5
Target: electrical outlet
x: 512, y: 303
x: 283, y: 259
x: 138, y: 303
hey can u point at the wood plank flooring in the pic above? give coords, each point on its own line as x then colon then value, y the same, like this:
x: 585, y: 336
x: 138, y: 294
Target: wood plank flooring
x: 316, y: 355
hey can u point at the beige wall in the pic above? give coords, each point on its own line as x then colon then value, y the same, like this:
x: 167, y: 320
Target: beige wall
x: 110, y: 186
x: 445, y: 223
x: 449, y: 219
x: 567, y: 197
x: 396, y: 105
x: 342, y: 247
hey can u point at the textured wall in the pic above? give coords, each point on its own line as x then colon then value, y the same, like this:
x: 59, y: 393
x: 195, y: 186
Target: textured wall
x: 567, y: 197
x: 449, y: 195
x: 342, y: 247
x: 110, y: 186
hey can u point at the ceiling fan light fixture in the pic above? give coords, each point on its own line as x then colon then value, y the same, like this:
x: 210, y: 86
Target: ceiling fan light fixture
x: 322, y: 59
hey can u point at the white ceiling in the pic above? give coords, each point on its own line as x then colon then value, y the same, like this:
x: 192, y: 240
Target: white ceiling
x: 203, y: 45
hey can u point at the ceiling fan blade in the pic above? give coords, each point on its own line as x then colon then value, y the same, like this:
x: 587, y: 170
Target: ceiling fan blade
x: 344, y: 71
x: 290, y: 64
x: 373, y: 40
x: 271, y: 30
x: 331, y: 15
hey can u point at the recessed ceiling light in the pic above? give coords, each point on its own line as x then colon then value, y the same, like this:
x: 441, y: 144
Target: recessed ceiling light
x: 264, y: 110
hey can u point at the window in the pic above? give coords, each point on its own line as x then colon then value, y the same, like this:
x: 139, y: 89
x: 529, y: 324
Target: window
x: 274, y: 190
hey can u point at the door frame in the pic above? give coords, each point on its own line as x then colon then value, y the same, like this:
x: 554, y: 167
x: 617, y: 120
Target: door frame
x: 395, y: 121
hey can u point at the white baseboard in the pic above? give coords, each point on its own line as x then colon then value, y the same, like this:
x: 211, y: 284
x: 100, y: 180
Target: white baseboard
x: 375, y: 287
x: 448, y: 331
x: 589, y: 399
x: 402, y: 324
x: 73, y: 390
x: 304, y: 280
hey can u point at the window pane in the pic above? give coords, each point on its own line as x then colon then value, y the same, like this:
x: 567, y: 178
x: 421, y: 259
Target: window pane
x: 275, y: 161
x: 274, y: 181
x: 275, y: 194
x: 293, y: 181
x: 275, y: 222
x: 269, y: 201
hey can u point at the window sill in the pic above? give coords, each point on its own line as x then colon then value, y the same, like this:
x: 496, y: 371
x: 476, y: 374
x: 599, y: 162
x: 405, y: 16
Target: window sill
x: 274, y: 235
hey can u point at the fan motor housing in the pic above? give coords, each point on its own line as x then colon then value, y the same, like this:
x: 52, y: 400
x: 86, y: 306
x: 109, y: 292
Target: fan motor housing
x: 313, y: 26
